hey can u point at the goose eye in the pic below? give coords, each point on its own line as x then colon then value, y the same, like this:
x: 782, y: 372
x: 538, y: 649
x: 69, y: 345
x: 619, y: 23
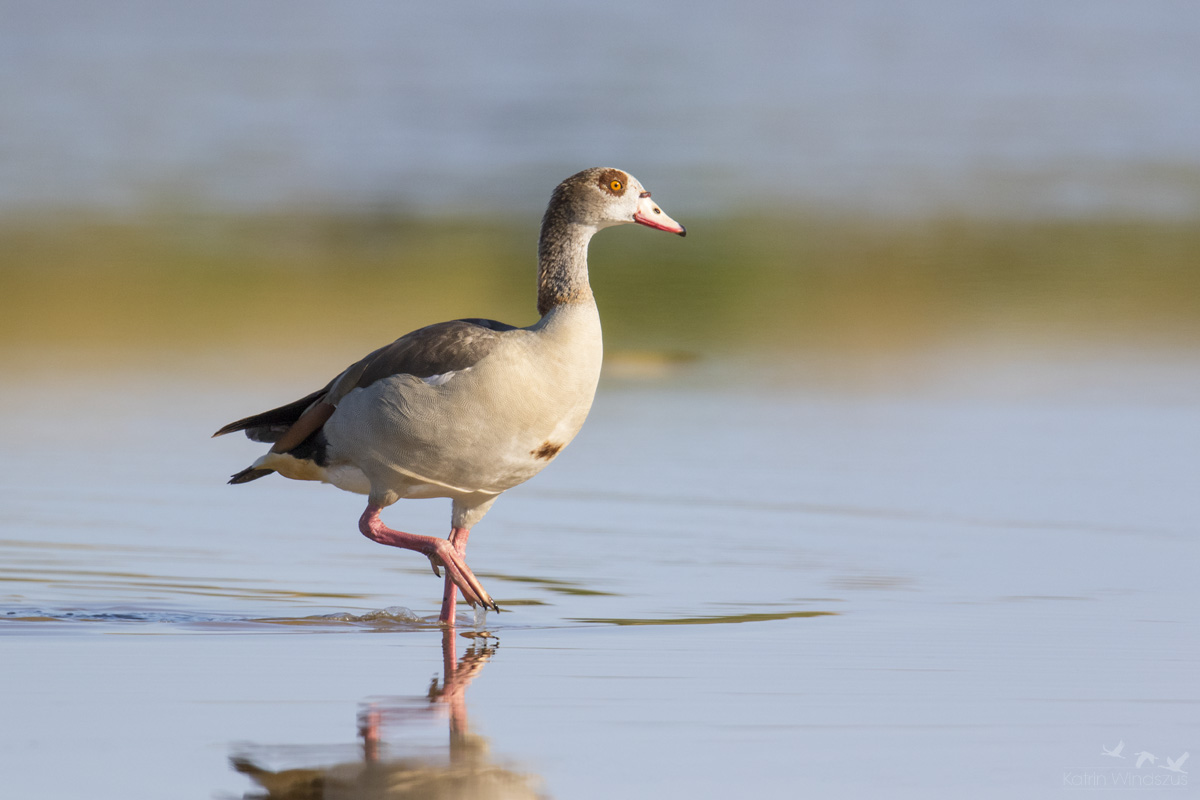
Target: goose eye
x: 616, y: 186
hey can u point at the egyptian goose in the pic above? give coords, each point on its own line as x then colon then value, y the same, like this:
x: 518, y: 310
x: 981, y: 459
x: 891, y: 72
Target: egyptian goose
x: 463, y: 409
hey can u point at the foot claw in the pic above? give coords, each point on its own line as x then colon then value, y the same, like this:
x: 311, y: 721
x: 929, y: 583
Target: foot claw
x: 442, y: 553
x: 472, y: 590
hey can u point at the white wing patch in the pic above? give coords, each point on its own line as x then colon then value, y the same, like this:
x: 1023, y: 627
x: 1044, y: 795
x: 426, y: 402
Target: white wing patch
x: 438, y: 380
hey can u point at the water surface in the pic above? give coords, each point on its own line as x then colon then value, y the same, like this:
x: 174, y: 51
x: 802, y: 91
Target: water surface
x: 734, y: 581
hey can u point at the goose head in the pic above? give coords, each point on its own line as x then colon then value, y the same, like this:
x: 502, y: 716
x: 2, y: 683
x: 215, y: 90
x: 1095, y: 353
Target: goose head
x: 602, y: 196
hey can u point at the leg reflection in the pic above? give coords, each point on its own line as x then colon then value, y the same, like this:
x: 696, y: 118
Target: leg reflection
x: 462, y: 768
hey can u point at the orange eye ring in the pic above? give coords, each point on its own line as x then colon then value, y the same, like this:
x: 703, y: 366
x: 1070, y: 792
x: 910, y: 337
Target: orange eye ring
x: 616, y: 186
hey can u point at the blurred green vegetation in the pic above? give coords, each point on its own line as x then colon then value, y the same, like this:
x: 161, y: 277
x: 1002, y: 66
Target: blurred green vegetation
x: 203, y: 282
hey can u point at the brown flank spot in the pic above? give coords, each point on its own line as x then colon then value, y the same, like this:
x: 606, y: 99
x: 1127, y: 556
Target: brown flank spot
x: 548, y: 450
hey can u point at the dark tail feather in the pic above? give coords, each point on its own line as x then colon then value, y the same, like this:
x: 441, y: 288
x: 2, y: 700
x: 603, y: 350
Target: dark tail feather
x: 250, y: 474
x: 270, y: 425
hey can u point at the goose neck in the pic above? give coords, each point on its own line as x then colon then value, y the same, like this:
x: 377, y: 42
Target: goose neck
x: 562, y: 263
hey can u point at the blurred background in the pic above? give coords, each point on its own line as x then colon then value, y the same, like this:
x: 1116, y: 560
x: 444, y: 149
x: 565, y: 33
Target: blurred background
x: 890, y: 487
x: 856, y: 177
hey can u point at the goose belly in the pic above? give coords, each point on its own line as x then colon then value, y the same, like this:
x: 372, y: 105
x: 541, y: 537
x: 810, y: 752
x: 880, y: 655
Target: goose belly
x: 481, y: 430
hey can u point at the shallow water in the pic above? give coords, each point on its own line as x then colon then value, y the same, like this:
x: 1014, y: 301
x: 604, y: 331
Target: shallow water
x: 793, y: 580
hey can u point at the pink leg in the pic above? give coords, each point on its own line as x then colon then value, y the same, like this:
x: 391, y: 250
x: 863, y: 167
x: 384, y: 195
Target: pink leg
x: 458, y: 538
x: 369, y: 730
x: 440, y: 552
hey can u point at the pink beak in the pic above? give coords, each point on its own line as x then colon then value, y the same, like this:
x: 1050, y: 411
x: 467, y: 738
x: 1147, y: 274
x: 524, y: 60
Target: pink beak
x: 652, y: 216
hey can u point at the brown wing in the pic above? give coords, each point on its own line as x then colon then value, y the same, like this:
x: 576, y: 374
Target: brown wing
x: 432, y: 350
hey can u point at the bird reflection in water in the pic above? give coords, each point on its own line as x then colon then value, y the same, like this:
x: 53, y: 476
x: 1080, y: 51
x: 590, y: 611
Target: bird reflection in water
x: 466, y: 771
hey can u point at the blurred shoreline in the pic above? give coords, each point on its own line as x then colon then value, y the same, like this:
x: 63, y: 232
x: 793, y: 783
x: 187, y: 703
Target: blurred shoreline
x: 115, y: 288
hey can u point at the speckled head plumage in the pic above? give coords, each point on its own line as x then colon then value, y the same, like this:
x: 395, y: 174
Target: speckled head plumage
x: 604, y: 196
x: 581, y: 205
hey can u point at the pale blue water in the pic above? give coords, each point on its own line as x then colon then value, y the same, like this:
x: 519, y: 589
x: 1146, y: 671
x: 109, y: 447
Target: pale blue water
x: 974, y: 578
x: 1007, y: 106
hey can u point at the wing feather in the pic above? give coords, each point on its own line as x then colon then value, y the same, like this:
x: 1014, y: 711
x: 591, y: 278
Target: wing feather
x: 432, y: 350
